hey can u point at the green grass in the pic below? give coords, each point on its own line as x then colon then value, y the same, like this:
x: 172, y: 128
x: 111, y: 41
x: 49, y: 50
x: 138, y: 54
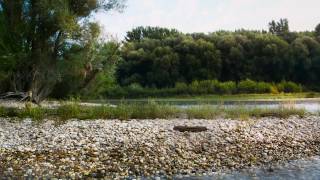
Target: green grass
x: 203, y: 112
x: 150, y: 110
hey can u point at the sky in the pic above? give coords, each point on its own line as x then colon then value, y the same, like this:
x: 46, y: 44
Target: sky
x: 210, y: 15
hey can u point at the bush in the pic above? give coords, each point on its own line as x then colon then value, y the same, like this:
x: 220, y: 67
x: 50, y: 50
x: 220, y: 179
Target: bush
x: 263, y: 87
x: 247, y: 86
x: 228, y: 87
x: 274, y: 89
x: 207, y: 86
x: 181, y: 88
x: 194, y: 87
x: 289, y: 87
x: 117, y: 92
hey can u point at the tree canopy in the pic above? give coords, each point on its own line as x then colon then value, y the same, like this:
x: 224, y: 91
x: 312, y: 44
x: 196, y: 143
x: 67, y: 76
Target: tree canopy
x: 37, y: 35
x: 158, y: 59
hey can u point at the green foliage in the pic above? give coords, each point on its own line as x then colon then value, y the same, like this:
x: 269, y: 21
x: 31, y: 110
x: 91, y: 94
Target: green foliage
x: 161, y: 60
x: 263, y: 87
x: 226, y: 87
x: 3, y: 112
x: 35, y: 113
x: 181, y: 88
x: 203, y: 112
x: 287, y: 86
x: 150, y: 110
x: 206, y: 87
x: 247, y: 86
x: 37, y: 38
x: 69, y: 110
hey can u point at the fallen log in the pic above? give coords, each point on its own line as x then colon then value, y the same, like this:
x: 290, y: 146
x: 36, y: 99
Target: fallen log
x: 14, y: 95
x: 190, y: 128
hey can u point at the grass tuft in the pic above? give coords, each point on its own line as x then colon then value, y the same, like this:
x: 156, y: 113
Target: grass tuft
x: 203, y: 112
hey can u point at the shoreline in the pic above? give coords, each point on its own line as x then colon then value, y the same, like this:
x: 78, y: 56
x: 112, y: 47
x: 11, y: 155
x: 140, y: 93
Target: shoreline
x: 135, y: 148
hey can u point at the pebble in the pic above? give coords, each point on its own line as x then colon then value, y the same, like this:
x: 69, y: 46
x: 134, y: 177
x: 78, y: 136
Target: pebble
x: 114, y: 149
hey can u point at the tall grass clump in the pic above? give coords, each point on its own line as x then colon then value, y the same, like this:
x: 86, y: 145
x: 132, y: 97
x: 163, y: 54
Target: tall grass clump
x: 69, y: 110
x: 3, y: 112
x: 203, y: 112
x: 237, y: 113
x: 153, y: 110
x: 247, y: 86
x: 35, y: 113
x: 277, y: 112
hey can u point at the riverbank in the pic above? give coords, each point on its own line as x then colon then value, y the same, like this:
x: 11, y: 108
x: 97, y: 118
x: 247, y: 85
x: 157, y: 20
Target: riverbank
x: 135, y: 148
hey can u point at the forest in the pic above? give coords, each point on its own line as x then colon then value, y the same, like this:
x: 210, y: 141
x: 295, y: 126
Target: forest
x: 55, y: 50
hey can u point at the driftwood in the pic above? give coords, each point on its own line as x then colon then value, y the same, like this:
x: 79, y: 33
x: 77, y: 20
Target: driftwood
x: 190, y: 128
x: 19, y: 96
x: 15, y: 95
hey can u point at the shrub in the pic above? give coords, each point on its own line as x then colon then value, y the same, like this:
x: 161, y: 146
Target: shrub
x: 228, y: 87
x: 194, y: 87
x: 117, y: 92
x: 274, y: 89
x: 207, y: 86
x: 247, y: 86
x: 289, y: 87
x: 263, y: 87
x: 181, y: 88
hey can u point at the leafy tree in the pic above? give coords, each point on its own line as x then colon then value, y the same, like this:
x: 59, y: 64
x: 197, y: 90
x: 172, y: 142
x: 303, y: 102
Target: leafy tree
x: 279, y: 28
x: 139, y: 33
x: 36, y: 35
x: 155, y: 60
x: 317, y: 32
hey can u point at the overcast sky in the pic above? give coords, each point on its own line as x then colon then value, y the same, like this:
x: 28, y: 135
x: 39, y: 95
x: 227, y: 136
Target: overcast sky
x: 211, y: 15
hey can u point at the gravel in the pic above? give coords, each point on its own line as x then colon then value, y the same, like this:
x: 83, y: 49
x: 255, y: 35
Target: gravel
x: 151, y: 148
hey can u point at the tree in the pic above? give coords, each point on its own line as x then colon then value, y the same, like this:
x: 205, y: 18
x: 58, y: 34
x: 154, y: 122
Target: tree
x: 317, y: 32
x: 279, y: 28
x: 140, y: 33
x: 35, y: 36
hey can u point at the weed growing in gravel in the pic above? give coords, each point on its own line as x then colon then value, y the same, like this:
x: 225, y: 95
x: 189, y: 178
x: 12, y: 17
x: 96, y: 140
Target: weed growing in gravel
x: 152, y: 110
x: 204, y: 112
x: 36, y: 113
x: 2, y: 112
x: 69, y: 110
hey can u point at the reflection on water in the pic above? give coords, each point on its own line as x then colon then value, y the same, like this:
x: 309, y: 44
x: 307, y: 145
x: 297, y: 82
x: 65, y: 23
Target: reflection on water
x: 309, y: 105
x: 307, y: 169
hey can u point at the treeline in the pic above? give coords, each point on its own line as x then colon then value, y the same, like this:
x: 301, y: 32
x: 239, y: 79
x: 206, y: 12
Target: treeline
x: 62, y: 54
x: 205, y: 87
x: 160, y: 58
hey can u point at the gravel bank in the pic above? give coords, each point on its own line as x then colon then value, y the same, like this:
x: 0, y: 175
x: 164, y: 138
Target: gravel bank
x: 118, y: 149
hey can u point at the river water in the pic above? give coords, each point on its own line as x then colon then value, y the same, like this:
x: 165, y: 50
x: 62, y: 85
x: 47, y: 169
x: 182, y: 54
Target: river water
x: 306, y: 169
x: 310, y: 105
